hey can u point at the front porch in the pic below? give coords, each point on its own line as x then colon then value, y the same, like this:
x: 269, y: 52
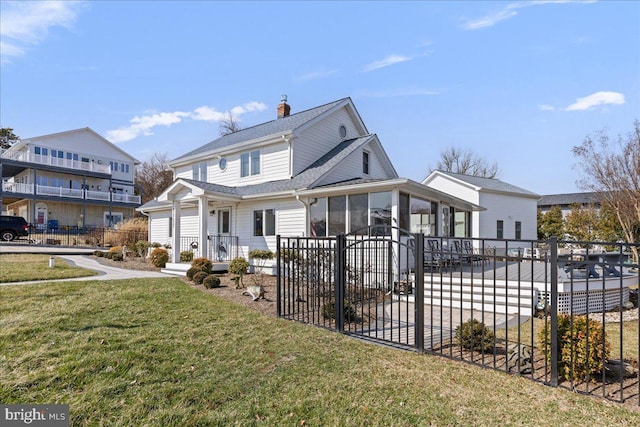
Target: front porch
x: 220, y: 250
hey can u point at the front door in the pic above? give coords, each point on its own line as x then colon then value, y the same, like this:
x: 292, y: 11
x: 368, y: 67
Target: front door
x: 222, y: 241
x: 224, y: 222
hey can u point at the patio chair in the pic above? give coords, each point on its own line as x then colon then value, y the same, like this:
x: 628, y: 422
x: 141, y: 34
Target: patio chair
x: 433, y: 256
x: 460, y: 252
x: 469, y: 251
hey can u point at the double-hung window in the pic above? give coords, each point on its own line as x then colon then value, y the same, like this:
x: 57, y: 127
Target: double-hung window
x: 500, y: 229
x: 199, y: 171
x: 264, y: 222
x: 250, y: 163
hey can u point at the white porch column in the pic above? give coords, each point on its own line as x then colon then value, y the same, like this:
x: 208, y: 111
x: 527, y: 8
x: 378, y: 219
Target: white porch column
x: 175, y: 237
x: 203, y: 220
x: 395, y: 214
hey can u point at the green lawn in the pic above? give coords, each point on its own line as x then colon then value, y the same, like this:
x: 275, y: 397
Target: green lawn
x: 157, y: 352
x: 26, y: 267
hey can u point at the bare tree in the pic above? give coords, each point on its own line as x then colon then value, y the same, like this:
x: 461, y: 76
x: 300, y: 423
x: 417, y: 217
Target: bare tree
x: 466, y: 162
x: 153, y: 176
x: 612, y: 168
x: 7, y: 138
x: 229, y: 124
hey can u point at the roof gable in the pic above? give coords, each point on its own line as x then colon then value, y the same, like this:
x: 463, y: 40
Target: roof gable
x: 86, y: 130
x: 271, y: 128
x: 490, y: 185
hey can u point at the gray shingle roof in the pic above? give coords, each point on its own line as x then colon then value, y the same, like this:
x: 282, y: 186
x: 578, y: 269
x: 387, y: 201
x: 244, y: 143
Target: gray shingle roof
x: 491, y: 184
x: 303, y: 180
x: 264, y: 129
x: 569, y: 199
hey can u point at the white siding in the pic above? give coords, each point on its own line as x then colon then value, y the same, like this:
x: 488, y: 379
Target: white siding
x: 320, y: 138
x: 86, y: 144
x: 351, y: 167
x: 459, y: 190
x: 189, y: 222
x: 82, y: 141
x: 183, y: 172
x: 274, y: 165
x: 159, y: 227
x: 290, y: 221
x: 506, y: 207
x: 509, y: 209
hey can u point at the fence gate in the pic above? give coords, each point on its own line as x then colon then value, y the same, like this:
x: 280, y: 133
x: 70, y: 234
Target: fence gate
x: 357, y: 284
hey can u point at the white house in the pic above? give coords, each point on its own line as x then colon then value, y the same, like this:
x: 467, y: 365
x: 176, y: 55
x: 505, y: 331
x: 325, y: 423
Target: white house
x: 511, y: 212
x: 318, y: 172
x: 74, y: 178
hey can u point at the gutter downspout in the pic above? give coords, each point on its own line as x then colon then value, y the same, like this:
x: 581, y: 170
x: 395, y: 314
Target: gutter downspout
x: 306, y: 215
x: 288, y: 139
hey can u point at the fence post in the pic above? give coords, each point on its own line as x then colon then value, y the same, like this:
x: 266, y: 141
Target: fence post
x: 418, y: 258
x: 278, y: 276
x: 339, y: 282
x: 553, y: 243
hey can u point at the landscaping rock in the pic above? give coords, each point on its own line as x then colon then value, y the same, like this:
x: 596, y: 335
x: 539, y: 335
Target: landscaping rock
x: 613, y: 369
x: 519, y: 359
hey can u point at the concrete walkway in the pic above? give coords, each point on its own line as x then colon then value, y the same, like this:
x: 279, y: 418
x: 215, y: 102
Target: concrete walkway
x: 104, y: 272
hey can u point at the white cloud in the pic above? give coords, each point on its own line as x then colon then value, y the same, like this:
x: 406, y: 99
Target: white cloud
x: 25, y: 24
x: 490, y: 20
x: 207, y: 114
x: 249, y: 107
x: 509, y: 11
x: 143, y: 125
x: 545, y: 107
x: 595, y: 99
x: 389, y: 60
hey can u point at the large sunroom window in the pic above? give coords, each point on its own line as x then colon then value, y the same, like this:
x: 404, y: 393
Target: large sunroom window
x: 380, y: 208
x: 358, y: 213
x: 318, y: 217
x: 337, y: 215
x: 423, y: 216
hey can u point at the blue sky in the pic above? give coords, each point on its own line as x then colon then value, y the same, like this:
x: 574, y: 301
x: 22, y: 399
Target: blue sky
x: 518, y: 83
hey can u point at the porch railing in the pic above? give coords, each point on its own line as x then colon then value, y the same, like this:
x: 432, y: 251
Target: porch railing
x: 44, y: 190
x: 221, y: 248
x: 23, y: 156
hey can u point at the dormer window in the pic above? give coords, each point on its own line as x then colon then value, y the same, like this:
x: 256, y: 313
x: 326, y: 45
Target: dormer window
x: 250, y: 163
x: 365, y: 162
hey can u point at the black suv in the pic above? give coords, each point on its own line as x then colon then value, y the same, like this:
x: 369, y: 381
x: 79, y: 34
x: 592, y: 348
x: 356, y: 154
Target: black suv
x: 12, y: 227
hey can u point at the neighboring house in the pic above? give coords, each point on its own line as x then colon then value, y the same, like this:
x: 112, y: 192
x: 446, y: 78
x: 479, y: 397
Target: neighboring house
x: 75, y: 178
x: 511, y: 212
x: 318, y: 173
x: 567, y: 201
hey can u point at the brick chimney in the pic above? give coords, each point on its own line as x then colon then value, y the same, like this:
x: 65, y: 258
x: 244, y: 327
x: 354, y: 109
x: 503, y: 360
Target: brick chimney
x: 283, y: 108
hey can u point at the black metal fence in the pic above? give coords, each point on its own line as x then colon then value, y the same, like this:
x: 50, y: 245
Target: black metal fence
x: 81, y: 237
x: 561, y: 313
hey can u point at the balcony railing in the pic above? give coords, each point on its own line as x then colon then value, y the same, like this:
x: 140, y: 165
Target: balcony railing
x: 14, y: 187
x: 23, y: 156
